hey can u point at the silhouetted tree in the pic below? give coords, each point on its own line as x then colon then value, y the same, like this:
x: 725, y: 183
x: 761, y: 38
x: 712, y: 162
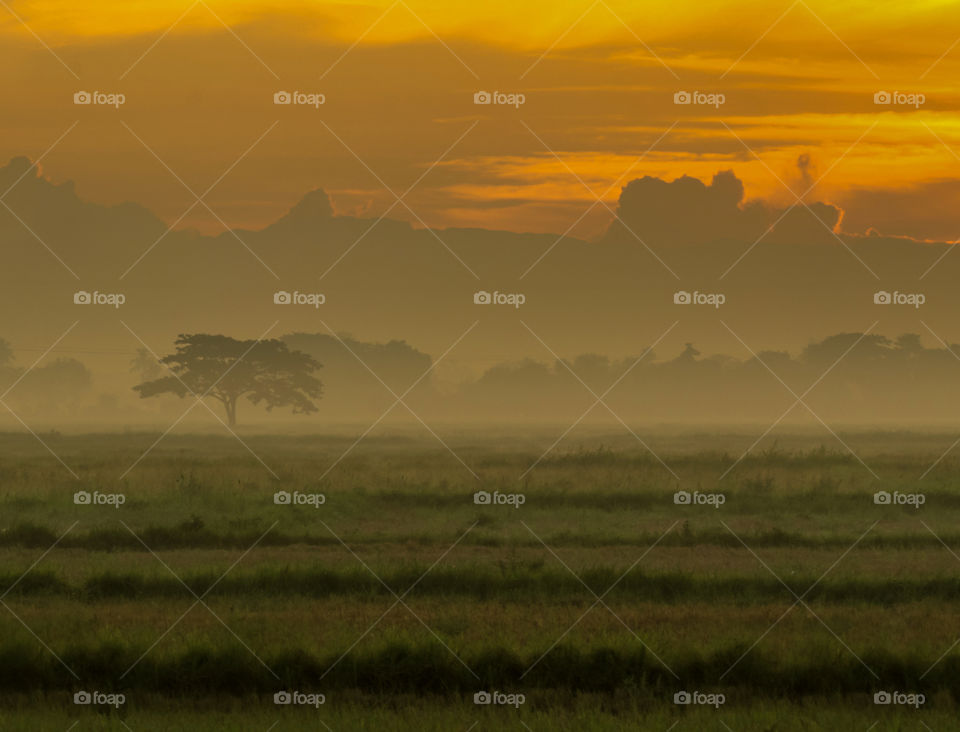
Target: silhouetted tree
x: 226, y: 369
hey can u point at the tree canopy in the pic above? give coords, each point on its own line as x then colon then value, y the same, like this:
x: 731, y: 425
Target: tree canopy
x: 227, y: 369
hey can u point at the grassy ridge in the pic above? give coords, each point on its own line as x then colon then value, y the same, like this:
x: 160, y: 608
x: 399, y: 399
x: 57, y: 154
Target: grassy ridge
x: 193, y: 534
x: 821, y: 669
x: 425, y: 713
x: 482, y: 582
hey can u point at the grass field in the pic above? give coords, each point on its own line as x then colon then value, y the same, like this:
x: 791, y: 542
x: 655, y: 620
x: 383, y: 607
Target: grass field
x: 397, y: 597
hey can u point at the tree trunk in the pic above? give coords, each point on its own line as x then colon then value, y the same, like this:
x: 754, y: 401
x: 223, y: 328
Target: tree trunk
x: 231, y: 406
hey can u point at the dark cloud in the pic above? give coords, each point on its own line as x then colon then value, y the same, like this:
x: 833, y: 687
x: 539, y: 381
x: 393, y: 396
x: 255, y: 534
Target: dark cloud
x: 923, y: 211
x: 806, y: 169
x: 687, y: 211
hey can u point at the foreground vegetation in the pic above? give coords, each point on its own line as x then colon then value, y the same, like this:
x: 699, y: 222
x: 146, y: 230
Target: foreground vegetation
x: 398, y: 597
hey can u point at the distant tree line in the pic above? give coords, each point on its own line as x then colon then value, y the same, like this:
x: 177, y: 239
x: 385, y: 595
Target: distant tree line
x: 849, y: 377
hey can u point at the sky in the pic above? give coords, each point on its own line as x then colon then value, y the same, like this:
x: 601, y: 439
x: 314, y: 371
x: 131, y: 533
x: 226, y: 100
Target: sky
x: 789, y: 92
x: 598, y: 158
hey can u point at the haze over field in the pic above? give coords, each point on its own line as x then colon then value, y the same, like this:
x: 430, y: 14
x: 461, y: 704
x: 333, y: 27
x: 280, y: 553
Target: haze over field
x: 792, y: 170
x: 582, y: 365
x: 765, y: 282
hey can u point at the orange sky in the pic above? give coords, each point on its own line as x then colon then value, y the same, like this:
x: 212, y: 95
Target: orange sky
x: 599, y: 80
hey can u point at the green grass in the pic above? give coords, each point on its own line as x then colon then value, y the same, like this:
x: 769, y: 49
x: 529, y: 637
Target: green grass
x: 588, y: 712
x: 302, y: 597
x: 509, y: 583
